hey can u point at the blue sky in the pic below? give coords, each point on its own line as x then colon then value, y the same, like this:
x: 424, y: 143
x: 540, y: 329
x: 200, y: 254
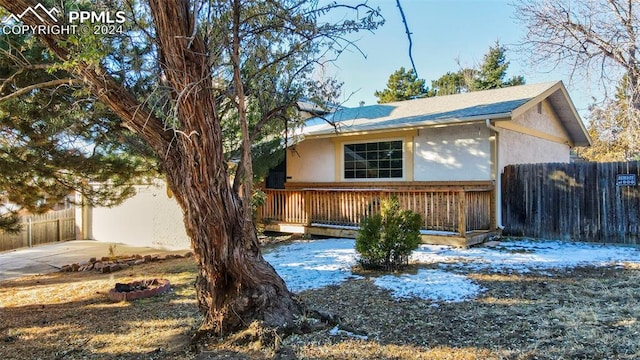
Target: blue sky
x: 442, y: 31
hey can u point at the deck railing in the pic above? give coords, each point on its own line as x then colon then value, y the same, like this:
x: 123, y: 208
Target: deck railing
x: 453, y: 209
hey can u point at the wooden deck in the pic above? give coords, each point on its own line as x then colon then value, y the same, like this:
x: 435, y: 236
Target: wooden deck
x: 451, y: 239
x: 457, y: 214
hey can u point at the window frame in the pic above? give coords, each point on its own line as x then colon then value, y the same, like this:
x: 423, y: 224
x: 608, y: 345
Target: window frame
x: 344, y: 144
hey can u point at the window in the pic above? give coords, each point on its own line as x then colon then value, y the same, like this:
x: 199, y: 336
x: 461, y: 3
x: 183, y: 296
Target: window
x: 378, y: 160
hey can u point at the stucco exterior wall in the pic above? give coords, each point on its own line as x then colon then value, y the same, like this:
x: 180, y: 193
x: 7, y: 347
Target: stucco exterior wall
x: 542, y: 117
x: 518, y: 148
x: 312, y: 161
x: 454, y: 153
x: 150, y: 218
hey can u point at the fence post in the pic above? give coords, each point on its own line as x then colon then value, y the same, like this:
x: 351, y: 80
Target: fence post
x: 462, y: 213
x: 29, y: 232
x: 59, y: 226
x: 493, y: 209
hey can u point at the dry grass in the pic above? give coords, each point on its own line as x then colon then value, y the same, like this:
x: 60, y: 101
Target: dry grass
x: 587, y: 313
x: 68, y: 315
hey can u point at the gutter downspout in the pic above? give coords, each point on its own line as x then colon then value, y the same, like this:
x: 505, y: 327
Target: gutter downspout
x: 496, y: 173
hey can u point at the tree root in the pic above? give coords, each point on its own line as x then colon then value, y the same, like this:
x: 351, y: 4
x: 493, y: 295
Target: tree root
x: 259, y: 337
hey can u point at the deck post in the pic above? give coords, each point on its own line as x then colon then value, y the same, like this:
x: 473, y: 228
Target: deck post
x: 306, y: 197
x: 462, y: 213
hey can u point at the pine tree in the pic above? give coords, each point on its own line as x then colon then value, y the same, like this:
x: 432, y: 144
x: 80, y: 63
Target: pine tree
x: 493, y: 70
x: 452, y: 83
x: 402, y: 85
x: 488, y: 75
x: 58, y: 140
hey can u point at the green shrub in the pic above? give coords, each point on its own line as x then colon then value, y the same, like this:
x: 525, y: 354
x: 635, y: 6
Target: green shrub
x: 386, y: 240
x: 259, y: 198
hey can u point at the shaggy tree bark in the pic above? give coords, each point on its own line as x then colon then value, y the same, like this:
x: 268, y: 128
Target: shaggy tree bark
x: 235, y: 285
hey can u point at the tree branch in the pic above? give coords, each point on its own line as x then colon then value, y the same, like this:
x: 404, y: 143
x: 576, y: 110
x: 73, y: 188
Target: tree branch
x: 46, y: 84
x: 135, y: 117
x: 406, y: 28
x: 21, y: 70
x: 591, y: 36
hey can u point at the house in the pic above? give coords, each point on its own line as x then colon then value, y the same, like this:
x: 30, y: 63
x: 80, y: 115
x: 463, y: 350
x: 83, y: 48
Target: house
x: 305, y: 109
x: 442, y: 156
x: 152, y: 217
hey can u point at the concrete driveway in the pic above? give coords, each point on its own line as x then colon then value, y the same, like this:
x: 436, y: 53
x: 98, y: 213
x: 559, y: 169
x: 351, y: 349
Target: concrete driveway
x: 51, y: 257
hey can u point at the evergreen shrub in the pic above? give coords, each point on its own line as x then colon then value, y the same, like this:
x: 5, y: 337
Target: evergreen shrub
x: 386, y: 240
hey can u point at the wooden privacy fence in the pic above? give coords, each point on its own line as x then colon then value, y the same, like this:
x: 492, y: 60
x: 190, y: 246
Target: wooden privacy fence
x: 41, y: 229
x: 442, y: 209
x: 578, y: 201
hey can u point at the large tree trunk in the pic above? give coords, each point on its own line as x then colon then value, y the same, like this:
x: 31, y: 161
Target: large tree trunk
x: 235, y: 285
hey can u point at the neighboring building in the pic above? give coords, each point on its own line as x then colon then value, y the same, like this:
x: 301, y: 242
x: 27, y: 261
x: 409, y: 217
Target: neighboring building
x: 7, y: 206
x: 152, y: 218
x: 442, y: 145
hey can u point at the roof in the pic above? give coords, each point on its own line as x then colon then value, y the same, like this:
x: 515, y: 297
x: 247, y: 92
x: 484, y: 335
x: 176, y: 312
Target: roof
x: 503, y: 103
x: 311, y: 107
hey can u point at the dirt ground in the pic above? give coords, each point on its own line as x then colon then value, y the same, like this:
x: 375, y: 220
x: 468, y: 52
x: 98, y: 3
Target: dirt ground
x: 585, y: 313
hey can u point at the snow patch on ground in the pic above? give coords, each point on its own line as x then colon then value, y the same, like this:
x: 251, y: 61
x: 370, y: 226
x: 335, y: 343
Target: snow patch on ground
x: 336, y: 331
x: 308, y: 265
x: 526, y: 255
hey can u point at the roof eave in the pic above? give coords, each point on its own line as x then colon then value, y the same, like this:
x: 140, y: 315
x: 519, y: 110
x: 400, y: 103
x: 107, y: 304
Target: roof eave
x: 424, y: 125
x: 581, y: 138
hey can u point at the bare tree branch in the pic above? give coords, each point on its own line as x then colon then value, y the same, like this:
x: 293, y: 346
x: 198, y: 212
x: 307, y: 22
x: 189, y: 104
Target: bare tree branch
x: 406, y: 28
x: 598, y: 37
